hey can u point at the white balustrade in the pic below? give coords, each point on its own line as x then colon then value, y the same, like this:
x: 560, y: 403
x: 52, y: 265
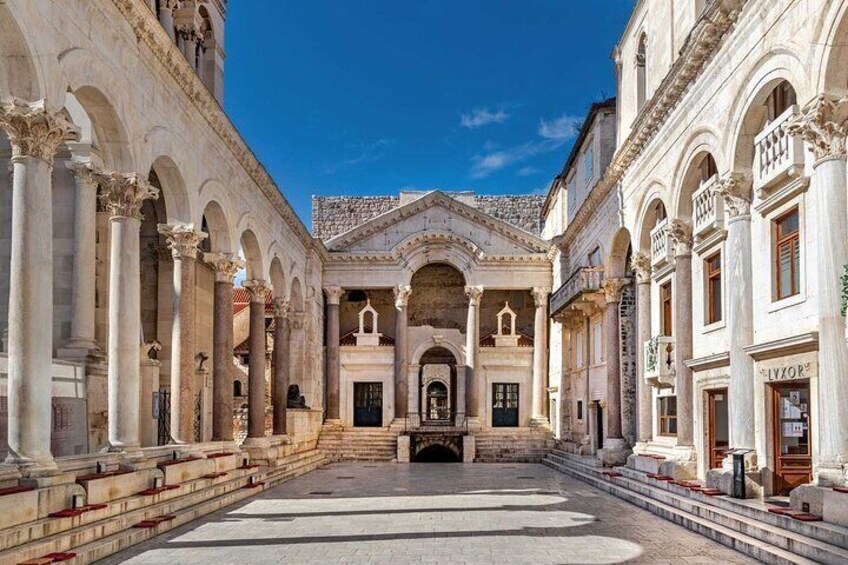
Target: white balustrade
x: 660, y: 249
x: 659, y: 361
x: 778, y: 155
x: 707, y: 210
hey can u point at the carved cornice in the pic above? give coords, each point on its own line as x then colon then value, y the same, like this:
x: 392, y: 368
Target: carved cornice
x: 641, y: 264
x: 822, y: 125
x: 183, y: 240
x: 33, y: 130
x: 149, y: 31
x: 369, y: 257
x: 734, y: 189
x: 225, y: 265
x: 122, y: 195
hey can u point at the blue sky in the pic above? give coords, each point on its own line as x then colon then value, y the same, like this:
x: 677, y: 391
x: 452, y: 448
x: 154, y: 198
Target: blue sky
x: 357, y: 98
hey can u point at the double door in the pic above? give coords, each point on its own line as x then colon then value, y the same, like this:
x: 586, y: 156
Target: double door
x: 791, y: 435
x: 368, y: 405
x: 505, y: 405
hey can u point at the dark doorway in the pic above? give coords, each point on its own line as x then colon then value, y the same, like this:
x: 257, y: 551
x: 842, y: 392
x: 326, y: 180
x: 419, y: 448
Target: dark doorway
x: 436, y: 454
x: 599, y: 425
x: 437, y: 401
x: 505, y: 405
x: 368, y: 405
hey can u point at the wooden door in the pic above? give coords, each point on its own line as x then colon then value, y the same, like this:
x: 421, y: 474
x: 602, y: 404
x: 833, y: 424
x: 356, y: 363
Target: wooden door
x: 368, y: 405
x: 505, y: 405
x: 718, y: 426
x: 791, y: 435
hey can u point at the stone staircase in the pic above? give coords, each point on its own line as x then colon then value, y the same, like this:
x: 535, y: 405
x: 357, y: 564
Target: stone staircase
x: 124, y: 522
x: 359, y: 444
x: 511, y: 445
x: 744, y: 525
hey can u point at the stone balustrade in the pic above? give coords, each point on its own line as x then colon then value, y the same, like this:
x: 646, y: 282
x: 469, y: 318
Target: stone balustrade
x: 777, y: 154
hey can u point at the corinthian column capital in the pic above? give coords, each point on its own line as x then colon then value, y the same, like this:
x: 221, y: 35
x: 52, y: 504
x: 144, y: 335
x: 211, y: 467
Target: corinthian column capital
x: 33, y: 130
x: 474, y: 294
x: 641, y: 264
x: 226, y: 265
x: 257, y: 289
x: 334, y: 294
x: 281, y: 308
x: 821, y: 124
x: 734, y: 189
x: 402, y: 294
x: 540, y: 296
x: 613, y: 288
x: 182, y: 239
x: 680, y: 232
x: 123, y: 194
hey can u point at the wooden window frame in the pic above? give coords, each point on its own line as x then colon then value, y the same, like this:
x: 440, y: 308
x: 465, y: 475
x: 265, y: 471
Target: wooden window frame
x: 662, y: 419
x: 666, y: 299
x: 713, y: 275
x: 793, y: 239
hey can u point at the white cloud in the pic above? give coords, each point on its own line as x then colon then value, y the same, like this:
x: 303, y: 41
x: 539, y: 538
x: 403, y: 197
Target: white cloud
x: 480, y: 117
x: 527, y: 171
x: 563, y: 127
x: 483, y: 165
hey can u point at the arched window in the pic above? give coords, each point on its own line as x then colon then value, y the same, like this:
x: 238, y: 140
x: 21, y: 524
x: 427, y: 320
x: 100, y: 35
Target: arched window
x: 779, y: 100
x: 707, y: 168
x: 237, y: 388
x: 641, y: 78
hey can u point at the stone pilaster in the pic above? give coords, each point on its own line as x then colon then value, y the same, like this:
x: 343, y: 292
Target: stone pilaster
x: 226, y: 266
x: 281, y: 364
x: 613, y: 452
x: 402, y: 294
x: 334, y: 295
x: 822, y: 124
x: 183, y: 241
x: 35, y: 134
x: 472, y: 343
x: 122, y: 196
x: 540, y: 356
x: 258, y: 290
x: 641, y: 264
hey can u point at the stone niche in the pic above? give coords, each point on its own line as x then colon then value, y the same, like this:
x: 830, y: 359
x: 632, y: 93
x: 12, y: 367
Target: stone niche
x: 368, y: 336
x: 506, y: 335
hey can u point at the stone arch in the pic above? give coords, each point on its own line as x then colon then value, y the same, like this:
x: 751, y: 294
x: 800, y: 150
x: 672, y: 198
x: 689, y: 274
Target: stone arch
x: 107, y: 130
x: 618, y: 263
x: 296, y: 296
x: 422, y: 349
x: 831, y: 75
x: 173, y: 190
x: 438, y: 297
x: 690, y: 181
x: 646, y: 220
x: 20, y: 75
x: 252, y: 255
x: 703, y: 141
x: 214, y: 222
x: 277, y: 277
x: 422, y: 249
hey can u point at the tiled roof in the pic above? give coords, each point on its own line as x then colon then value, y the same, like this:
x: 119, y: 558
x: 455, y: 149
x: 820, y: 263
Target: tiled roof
x: 241, y: 299
x: 350, y: 339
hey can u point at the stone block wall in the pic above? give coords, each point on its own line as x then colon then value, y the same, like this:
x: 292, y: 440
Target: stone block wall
x: 629, y: 360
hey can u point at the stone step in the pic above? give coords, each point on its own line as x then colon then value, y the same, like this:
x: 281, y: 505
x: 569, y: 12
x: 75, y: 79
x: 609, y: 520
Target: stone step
x: 761, y: 540
x: 113, y: 532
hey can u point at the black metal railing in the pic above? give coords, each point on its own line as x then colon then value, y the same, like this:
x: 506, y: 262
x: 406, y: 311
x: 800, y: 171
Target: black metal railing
x: 441, y: 420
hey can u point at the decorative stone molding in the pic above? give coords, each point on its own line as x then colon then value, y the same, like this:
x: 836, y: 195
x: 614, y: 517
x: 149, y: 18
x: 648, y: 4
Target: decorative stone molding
x: 680, y: 232
x: 296, y: 320
x: 257, y: 289
x: 226, y: 265
x: 540, y: 296
x: 402, y: 294
x: 734, y: 188
x: 613, y: 288
x: 122, y: 195
x: 641, y: 264
x: 474, y: 294
x: 183, y: 240
x: 33, y: 130
x: 83, y: 172
x: 281, y: 308
x: 150, y: 32
x: 821, y: 123
x: 334, y: 294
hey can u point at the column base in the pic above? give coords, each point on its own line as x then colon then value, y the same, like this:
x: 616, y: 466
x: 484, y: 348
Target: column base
x: 614, y: 452
x: 79, y: 350
x: 33, y: 468
x: 540, y: 422
x: 256, y: 442
x: 722, y: 480
x: 473, y: 423
x: 640, y: 447
x: 831, y: 475
x: 334, y: 425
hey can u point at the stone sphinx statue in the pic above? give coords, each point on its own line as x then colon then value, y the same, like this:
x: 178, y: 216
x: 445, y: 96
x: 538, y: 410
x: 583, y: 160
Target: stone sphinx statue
x: 295, y: 399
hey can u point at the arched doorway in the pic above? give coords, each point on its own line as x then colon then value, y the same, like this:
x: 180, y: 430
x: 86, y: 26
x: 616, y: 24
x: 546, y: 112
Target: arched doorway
x: 437, y: 385
x: 438, y: 407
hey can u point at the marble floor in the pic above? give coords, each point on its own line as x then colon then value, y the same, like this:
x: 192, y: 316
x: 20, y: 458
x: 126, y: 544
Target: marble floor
x: 430, y: 513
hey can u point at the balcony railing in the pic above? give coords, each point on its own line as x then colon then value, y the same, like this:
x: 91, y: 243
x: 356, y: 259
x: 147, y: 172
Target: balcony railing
x: 439, y: 421
x: 707, y: 210
x: 777, y: 154
x: 659, y: 361
x: 583, y: 280
x: 660, y: 249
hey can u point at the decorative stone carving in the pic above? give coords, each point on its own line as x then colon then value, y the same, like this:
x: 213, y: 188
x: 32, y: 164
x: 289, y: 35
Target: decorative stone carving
x: 506, y: 339
x: 680, y: 232
x: 296, y: 319
x: 150, y: 349
x: 402, y: 294
x: 334, y: 294
x: 540, y: 296
x: 122, y: 195
x: 641, y: 264
x: 365, y: 337
x: 294, y: 398
x: 226, y: 265
x: 183, y: 240
x: 257, y: 289
x: 613, y: 288
x: 281, y: 308
x: 474, y: 294
x: 83, y: 171
x: 33, y: 130
x: 822, y: 125
x: 734, y: 188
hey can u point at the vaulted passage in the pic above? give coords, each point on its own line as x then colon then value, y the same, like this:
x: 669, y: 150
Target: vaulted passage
x: 436, y: 454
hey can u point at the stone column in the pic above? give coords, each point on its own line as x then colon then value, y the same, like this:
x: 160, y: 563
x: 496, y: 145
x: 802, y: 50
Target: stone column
x: 82, y: 340
x: 226, y: 267
x: 822, y: 124
x: 122, y: 196
x: 166, y: 16
x: 280, y: 383
x: 258, y: 290
x: 735, y: 188
x: 540, y: 356
x: 188, y: 38
x: 641, y: 263
x: 35, y: 133
x: 472, y: 342
x: 401, y: 377
x: 681, y: 235
x: 613, y: 452
x: 334, y: 295
x: 183, y: 241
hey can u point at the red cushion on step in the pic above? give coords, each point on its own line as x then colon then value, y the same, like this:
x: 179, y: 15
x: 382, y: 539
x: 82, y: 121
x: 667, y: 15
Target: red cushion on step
x: 14, y: 490
x: 779, y: 510
x: 712, y: 492
x: 841, y: 489
x: 805, y: 517
x: 217, y: 455
x: 59, y: 557
x: 67, y: 513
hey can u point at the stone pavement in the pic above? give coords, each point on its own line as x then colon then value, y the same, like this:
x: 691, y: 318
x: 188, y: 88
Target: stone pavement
x: 430, y: 513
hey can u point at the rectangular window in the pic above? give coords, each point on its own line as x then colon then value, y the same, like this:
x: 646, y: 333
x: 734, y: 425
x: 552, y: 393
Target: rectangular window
x: 579, y: 409
x: 594, y: 258
x: 588, y: 163
x: 597, y: 343
x: 787, y: 255
x: 668, y: 415
x: 712, y: 269
x: 665, y: 309
x: 578, y: 351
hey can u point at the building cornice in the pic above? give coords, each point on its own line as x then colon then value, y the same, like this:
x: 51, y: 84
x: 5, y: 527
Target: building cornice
x: 703, y: 42
x: 148, y: 30
x: 801, y: 343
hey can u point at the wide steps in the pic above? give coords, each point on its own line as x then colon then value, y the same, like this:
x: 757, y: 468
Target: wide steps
x: 359, y: 444
x: 753, y: 531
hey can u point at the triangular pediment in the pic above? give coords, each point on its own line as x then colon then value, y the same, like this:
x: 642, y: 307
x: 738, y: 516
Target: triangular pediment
x: 441, y: 217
